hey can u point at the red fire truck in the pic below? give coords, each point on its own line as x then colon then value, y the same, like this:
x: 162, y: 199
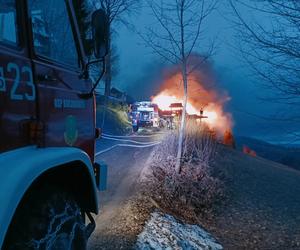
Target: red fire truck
x: 48, y: 175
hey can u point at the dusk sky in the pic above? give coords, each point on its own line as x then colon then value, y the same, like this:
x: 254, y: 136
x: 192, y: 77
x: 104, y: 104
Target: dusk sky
x: 139, y: 68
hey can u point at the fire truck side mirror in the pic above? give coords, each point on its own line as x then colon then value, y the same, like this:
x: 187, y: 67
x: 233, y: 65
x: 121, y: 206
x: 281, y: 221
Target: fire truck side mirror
x: 100, y: 31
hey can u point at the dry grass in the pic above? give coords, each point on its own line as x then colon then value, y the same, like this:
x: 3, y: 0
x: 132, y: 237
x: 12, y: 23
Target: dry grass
x: 194, y: 190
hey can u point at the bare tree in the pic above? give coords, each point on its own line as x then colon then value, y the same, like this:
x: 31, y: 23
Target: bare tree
x: 272, y: 49
x: 116, y: 11
x: 175, y: 37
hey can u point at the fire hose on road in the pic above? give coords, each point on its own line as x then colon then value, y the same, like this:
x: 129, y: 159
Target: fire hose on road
x: 130, y: 141
x: 133, y: 136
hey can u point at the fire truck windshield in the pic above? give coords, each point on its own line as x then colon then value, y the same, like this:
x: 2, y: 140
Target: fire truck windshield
x: 52, y: 32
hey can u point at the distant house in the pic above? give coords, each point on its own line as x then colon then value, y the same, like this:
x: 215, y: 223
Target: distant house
x: 118, y: 95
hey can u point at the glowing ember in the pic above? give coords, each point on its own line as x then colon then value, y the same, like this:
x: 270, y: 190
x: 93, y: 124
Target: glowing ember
x: 164, y: 101
x: 212, y: 117
x: 199, y: 98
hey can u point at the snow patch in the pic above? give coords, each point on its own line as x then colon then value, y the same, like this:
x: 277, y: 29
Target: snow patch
x: 165, y: 232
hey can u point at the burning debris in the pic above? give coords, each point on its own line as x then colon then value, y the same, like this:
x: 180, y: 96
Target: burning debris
x: 229, y: 139
x: 204, y: 102
x: 249, y: 151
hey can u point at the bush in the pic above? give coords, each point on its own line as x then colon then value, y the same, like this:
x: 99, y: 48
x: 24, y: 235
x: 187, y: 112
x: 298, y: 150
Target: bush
x: 194, y: 190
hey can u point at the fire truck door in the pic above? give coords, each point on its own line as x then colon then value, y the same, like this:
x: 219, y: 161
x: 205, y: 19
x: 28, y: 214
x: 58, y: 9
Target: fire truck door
x: 17, y: 89
x: 69, y: 120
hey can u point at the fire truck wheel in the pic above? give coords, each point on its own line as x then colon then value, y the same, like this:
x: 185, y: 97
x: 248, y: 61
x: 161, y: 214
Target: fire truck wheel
x: 135, y: 128
x: 47, y: 220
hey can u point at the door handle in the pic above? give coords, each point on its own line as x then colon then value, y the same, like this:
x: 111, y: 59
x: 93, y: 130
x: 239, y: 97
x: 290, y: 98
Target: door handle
x: 47, y: 78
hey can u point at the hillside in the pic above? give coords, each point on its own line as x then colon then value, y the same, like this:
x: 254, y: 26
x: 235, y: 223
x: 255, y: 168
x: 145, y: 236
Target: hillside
x: 115, y: 120
x: 286, y: 155
x: 262, y: 206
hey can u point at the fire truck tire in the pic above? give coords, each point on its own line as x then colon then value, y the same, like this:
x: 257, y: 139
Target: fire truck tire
x: 135, y: 128
x: 48, y: 220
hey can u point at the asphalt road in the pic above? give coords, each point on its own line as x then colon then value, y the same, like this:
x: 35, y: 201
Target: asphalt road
x: 126, y: 157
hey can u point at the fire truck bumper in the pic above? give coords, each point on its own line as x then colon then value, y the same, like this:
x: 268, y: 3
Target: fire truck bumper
x: 146, y: 124
x: 101, y: 175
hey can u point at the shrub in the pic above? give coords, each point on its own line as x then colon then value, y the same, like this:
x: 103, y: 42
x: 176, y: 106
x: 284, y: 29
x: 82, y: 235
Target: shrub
x: 194, y: 190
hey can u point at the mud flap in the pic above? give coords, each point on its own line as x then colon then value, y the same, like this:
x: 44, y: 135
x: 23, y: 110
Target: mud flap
x: 101, y: 175
x: 90, y: 228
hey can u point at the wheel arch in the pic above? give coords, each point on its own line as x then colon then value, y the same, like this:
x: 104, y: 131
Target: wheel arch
x: 72, y: 177
x: 24, y: 170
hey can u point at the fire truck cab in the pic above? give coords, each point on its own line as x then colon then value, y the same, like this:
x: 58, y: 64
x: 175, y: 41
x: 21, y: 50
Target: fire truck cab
x: 48, y: 176
x: 144, y: 114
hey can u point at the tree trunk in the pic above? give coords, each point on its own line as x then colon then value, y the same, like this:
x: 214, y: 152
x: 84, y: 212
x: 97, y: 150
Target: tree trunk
x: 183, y: 119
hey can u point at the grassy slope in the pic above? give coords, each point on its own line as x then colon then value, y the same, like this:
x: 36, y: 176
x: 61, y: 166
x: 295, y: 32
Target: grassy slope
x: 285, y: 155
x: 116, y: 121
x: 263, y: 207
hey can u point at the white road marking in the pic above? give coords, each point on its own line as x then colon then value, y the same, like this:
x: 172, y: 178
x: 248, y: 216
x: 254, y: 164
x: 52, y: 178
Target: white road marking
x: 127, y: 145
x: 106, y: 150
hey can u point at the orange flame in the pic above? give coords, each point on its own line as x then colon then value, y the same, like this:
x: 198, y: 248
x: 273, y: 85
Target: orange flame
x: 199, y: 98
